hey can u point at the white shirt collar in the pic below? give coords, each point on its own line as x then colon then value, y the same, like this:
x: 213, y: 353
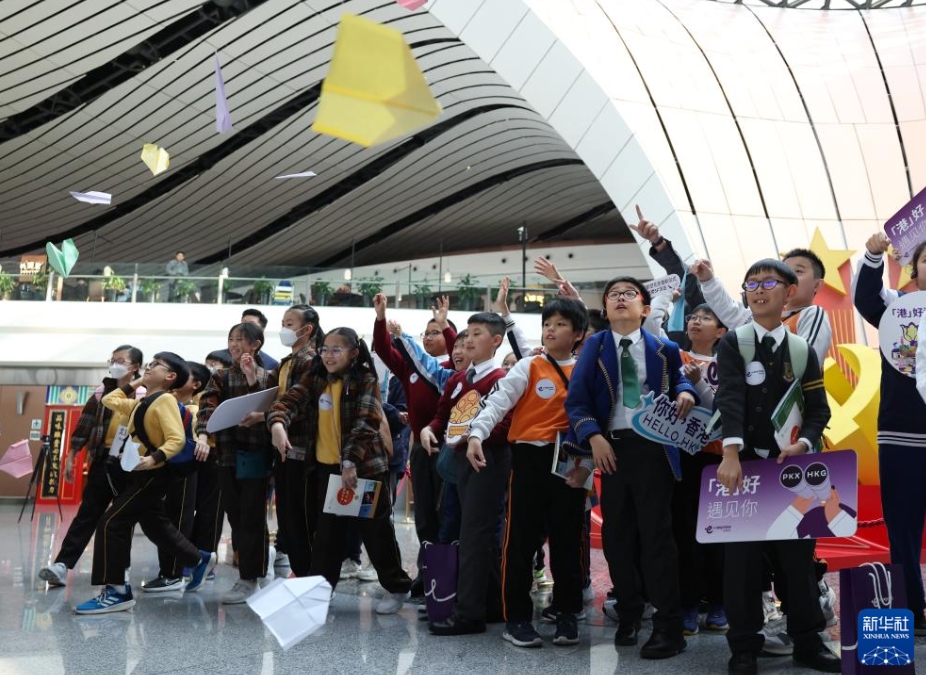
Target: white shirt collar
x: 778, y: 333
x: 634, y: 337
x: 482, y: 369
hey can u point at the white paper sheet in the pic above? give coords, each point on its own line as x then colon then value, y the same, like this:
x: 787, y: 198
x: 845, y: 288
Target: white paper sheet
x: 122, y: 433
x: 304, y: 174
x: 231, y: 412
x: 93, y: 197
x: 292, y: 608
x: 130, y: 458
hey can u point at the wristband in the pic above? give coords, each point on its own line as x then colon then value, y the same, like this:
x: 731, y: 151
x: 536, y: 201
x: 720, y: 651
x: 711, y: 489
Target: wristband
x: 659, y: 242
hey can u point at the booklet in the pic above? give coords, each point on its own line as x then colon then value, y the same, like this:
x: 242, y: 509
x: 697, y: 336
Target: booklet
x: 342, y: 501
x: 562, y: 463
x: 788, y: 416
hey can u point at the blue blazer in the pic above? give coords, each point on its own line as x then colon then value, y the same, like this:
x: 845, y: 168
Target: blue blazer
x: 595, y: 382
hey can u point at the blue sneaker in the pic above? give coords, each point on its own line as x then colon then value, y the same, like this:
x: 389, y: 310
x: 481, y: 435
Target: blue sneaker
x: 211, y: 576
x: 716, y: 618
x: 199, y: 573
x: 109, y: 600
x: 690, y: 621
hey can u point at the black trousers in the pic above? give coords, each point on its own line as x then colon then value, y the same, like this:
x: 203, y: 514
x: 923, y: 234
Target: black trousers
x: 302, y: 519
x: 479, y: 593
x: 208, y: 514
x: 141, y: 502
x: 180, y: 505
x: 636, y: 511
x: 700, y: 566
x: 742, y: 587
x: 245, y: 504
x: 377, y: 533
x: 426, y: 486
x: 538, y: 503
x: 105, y: 480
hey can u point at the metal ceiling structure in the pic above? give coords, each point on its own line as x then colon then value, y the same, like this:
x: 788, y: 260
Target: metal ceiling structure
x: 85, y: 83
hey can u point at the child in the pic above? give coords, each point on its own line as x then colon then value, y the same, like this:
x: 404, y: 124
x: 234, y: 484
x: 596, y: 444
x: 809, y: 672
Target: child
x: 746, y: 408
x: 244, y: 459
x: 339, y: 397
x: 535, y: 389
x: 95, y: 431
x: 901, y: 437
x: 482, y: 475
x: 700, y: 565
x: 141, y: 502
x: 616, y: 367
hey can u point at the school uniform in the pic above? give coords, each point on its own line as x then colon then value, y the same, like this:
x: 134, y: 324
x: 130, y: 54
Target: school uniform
x: 535, y: 391
x: 180, y: 507
x: 746, y: 409
x: 636, y: 498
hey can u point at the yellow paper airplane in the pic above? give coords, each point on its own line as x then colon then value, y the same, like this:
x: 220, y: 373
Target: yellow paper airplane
x: 374, y: 91
x: 155, y: 158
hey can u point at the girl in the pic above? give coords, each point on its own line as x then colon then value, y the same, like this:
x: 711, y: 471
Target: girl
x: 244, y: 455
x: 339, y: 398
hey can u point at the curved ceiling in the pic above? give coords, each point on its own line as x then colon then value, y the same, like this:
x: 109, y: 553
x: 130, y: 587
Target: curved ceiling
x: 84, y: 83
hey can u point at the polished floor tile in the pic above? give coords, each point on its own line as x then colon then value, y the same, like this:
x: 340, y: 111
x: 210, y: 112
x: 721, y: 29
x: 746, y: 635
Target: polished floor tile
x: 174, y: 633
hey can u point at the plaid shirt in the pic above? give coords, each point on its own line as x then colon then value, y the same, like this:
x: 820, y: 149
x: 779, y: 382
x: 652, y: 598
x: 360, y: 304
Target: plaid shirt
x: 223, y: 385
x: 93, y: 424
x: 360, y: 420
x: 301, y: 360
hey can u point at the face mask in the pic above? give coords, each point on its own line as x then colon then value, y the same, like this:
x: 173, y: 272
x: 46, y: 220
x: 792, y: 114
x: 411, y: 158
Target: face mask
x: 117, y: 371
x: 288, y: 337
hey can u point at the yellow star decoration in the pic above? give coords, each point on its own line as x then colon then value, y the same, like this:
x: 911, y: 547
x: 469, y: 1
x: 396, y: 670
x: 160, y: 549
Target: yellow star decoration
x: 833, y: 259
x: 905, y: 277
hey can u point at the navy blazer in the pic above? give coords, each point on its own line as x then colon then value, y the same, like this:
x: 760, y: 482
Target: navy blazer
x: 594, y: 384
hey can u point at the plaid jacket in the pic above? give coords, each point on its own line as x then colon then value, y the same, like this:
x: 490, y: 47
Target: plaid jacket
x: 301, y: 360
x: 93, y: 424
x: 223, y: 385
x: 360, y: 420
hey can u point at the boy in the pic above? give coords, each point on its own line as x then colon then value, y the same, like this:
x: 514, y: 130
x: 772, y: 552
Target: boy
x: 617, y: 367
x: 142, y: 501
x: 535, y: 389
x: 482, y: 475
x: 746, y: 407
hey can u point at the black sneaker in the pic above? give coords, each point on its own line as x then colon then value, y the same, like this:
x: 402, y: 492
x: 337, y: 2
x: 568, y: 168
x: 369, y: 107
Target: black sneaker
x: 919, y: 626
x: 163, y: 585
x: 522, y: 635
x: 417, y: 588
x: 567, y: 630
x: 548, y: 615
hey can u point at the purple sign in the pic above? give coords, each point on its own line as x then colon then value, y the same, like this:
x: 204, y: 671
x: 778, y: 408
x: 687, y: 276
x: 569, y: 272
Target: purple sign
x: 907, y: 227
x: 804, y: 497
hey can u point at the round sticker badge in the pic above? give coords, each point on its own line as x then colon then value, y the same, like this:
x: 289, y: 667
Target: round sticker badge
x: 755, y: 373
x: 457, y: 390
x: 545, y: 388
x: 413, y: 378
x: 325, y: 402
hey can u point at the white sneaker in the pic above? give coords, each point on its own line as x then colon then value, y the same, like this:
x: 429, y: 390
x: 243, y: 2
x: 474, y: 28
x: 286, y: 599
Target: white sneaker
x: 282, y: 560
x: 55, y: 574
x: 240, y: 592
x: 349, y: 569
x: 368, y: 573
x: 828, y: 603
x: 271, y: 559
x: 770, y: 607
x: 391, y: 603
x: 648, y: 611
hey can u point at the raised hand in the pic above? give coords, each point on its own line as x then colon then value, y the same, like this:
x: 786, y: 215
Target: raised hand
x: 645, y: 228
x: 546, y: 269
x: 439, y: 311
x: 702, y: 270
x: 394, y: 328
x: 877, y: 243
x: 379, y: 304
x: 500, y: 305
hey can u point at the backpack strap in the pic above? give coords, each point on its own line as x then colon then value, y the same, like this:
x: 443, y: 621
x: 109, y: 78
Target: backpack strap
x: 138, y: 420
x: 558, y: 369
x: 798, y: 349
x: 746, y: 340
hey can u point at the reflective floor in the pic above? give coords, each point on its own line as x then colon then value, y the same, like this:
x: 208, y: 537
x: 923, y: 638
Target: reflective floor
x: 171, y: 633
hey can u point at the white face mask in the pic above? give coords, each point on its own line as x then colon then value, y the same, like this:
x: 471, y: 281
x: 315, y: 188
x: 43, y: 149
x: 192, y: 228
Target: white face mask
x: 117, y: 371
x: 288, y: 336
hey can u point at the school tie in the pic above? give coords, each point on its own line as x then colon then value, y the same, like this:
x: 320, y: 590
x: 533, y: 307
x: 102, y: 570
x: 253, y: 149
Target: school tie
x: 470, y: 375
x: 769, y: 343
x: 630, y: 382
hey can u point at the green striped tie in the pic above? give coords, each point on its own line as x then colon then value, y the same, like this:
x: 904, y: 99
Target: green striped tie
x: 630, y: 382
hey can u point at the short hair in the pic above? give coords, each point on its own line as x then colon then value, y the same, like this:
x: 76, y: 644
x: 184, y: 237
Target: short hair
x: 706, y: 308
x: 261, y: 319
x: 198, y: 373
x: 597, y: 321
x: 222, y: 356
x: 449, y: 322
x: 819, y: 270
x: 570, y: 309
x: 134, y: 353
x: 494, y: 322
x: 917, y: 252
x: 772, y: 265
x: 633, y: 281
x: 460, y: 336
x: 177, y: 366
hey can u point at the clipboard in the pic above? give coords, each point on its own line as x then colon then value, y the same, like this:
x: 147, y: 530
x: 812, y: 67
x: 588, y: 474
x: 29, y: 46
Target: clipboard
x: 231, y: 412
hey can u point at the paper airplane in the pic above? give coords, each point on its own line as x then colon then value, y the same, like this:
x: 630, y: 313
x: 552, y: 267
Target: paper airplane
x: 18, y: 460
x: 375, y: 91
x: 304, y: 174
x: 93, y: 197
x: 292, y: 609
x: 155, y: 158
x: 62, y: 261
x: 223, y: 120
x: 411, y: 4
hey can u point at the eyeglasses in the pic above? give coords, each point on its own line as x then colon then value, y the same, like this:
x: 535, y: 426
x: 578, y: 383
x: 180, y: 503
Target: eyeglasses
x: 155, y: 364
x: 433, y: 334
x: 699, y: 318
x: 766, y: 284
x: 121, y: 362
x: 629, y: 294
x: 334, y: 351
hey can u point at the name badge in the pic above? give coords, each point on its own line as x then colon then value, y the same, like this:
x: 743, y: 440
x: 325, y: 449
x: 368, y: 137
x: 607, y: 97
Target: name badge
x: 122, y: 433
x: 755, y: 373
x: 325, y: 402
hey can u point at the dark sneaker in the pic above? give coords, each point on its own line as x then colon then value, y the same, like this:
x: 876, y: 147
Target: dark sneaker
x: 109, y: 600
x: 522, y: 635
x: 198, y: 575
x: 716, y: 618
x: 548, y: 615
x: 163, y: 585
x: 567, y: 630
x: 690, y: 621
